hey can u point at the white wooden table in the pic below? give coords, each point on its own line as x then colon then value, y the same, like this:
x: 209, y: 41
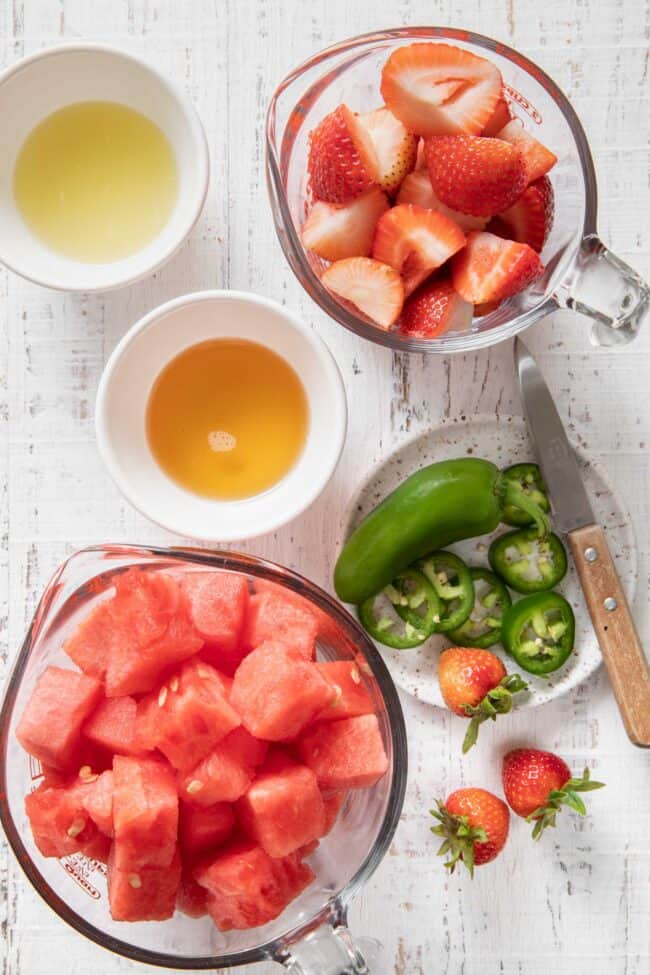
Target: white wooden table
x: 579, y: 902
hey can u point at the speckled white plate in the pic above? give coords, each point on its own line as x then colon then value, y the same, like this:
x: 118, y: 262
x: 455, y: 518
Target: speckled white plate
x: 503, y: 440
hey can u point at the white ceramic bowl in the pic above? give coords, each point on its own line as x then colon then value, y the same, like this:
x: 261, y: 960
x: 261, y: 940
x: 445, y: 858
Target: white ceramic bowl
x: 32, y: 89
x: 124, y: 392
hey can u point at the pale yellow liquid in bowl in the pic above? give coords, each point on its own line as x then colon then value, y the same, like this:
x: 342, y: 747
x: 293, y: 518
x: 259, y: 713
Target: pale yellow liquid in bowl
x: 96, y: 181
x: 227, y: 418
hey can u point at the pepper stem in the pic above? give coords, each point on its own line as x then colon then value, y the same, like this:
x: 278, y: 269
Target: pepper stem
x: 515, y: 495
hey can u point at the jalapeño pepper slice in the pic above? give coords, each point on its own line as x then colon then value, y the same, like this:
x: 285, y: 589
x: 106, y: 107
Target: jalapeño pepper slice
x: 528, y: 478
x: 453, y: 584
x: 404, y: 614
x: 482, y: 628
x: 539, y: 632
x: 526, y: 562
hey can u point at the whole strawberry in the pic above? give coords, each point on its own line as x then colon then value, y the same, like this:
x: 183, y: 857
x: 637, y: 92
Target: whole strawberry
x: 537, y: 784
x: 474, y: 684
x: 474, y: 824
x: 474, y: 174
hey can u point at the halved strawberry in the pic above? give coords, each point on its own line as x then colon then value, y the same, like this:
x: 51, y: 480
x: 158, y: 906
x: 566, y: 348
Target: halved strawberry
x: 395, y: 147
x: 417, y: 189
x: 501, y: 116
x: 342, y: 162
x: 338, y: 230
x: 537, y: 158
x: 421, y: 157
x: 438, y: 89
x: 474, y: 174
x: 486, y: 308
x: 374, y: 288
x: 530, y: 219
x: 415, y: 241
x: 433, y: 309
x: 491, y: 269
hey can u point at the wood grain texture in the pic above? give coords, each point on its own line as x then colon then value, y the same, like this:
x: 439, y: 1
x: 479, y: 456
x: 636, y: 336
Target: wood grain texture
x: 619, y: 641
x: 577, y: 903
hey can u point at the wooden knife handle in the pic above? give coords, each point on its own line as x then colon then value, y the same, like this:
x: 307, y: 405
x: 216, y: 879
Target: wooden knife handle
x: 619, y: 642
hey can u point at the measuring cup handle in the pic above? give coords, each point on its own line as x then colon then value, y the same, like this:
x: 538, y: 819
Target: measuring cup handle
x: 608, y: 290
x: 330, y: 950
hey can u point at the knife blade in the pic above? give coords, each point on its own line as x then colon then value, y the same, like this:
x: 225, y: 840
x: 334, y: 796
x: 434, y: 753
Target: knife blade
x: 573, y: 515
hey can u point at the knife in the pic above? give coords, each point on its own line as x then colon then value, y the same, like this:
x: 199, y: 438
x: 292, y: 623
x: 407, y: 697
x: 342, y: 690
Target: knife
x: 610, y: 614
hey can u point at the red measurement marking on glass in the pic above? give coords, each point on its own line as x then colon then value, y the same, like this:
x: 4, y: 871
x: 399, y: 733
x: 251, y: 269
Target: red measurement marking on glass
x: 517, y: 97
x: 79, y: 868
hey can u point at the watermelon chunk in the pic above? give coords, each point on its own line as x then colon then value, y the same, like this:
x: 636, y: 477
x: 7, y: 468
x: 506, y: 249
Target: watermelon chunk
x: 191, y: 899
x: 218, y: 603
x: 187, y: 716
x: 246, y: 888
x: 278, y: 694
x: 50, y: 728
x: 226, y: 773
x: 203, y: 829
x: 98, y: 802
x: 352, y: 697
x: 145, y: 813
x: 346, y: 754
x: 60, y: 824
x: 132, y: 638
x: 146, y: 894
x: 284, y: 810
x: 112, y: 726
x: 283, y: 619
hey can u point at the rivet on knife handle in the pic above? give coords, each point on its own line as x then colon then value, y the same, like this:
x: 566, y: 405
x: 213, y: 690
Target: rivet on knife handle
x: 617, y: 636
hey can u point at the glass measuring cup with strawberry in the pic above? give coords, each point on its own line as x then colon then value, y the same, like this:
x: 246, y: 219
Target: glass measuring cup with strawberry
x: 433, y: 191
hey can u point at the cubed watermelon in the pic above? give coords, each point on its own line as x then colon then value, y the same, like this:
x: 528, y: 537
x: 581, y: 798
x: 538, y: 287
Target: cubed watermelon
x: 226, y: 773
x: 98, y: 802
x: 218, y: 603
x: 60, y: 824
x: 283, y: 810
x: 246, y: 888
x: 191, y: 899
x: 276, y: 694
x: 145, y: 894
x: 187, y: 716
x: 347, y: 754
x: 112, y: 726
x: 132, y: 638
x: 204, y: 829
x: 50, y: 728
x: 282, y: 618
x: 351, y: 695
x: 145, y: 813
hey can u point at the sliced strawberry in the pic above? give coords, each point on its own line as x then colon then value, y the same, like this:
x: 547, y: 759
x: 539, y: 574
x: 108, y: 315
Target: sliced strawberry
x: 342, y: 162
x: 433, y: 309
x: 537, y: 158
x: 530, y: 219
x: 501, y: 116
x: 395, y: 147
x: 417, y: 189
x: 415, y: 241
x: 374, y: 288
x: 338, y: 230
x: 485, y: 308
x: 475, y: 175
x: 440, y: 89
x: 491, y: 269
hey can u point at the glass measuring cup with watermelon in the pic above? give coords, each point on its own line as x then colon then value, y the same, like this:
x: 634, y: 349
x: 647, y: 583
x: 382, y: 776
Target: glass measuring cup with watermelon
x: 204, y: 742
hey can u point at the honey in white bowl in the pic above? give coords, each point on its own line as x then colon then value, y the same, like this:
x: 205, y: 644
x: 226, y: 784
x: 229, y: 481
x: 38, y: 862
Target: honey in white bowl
x: 96, y: 181
x: 227, y: 419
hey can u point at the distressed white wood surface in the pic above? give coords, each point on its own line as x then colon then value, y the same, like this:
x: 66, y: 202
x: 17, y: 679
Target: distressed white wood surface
x: 579, y: 902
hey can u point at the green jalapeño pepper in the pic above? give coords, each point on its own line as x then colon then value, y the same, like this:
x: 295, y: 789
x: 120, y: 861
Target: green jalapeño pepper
x: 404, y: 614
x: 539, y: 632
x: 526, y: 562
x: 529, y: 478
x: 452, y: 582
x: 438, y: 505
x: 491, y: 601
